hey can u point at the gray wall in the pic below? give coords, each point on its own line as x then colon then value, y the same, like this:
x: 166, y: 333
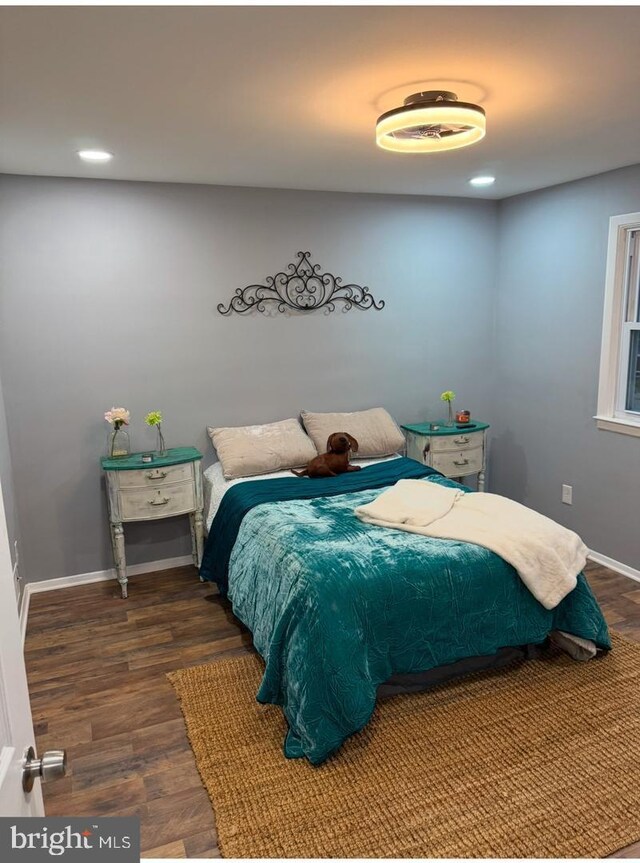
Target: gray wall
x: 6, y: 480
x: 109, y: 293
x: 552, y: 258
x: 108, y: 296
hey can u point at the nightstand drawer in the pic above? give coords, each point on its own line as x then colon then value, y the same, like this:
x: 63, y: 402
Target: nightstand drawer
x: 138, y: 504
x: 457, y: 443
x: 153, y: 477
x: 459, y: 463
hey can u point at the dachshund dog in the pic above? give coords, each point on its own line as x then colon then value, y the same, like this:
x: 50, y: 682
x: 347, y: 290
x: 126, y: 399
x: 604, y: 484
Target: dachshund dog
x: 335, y: 460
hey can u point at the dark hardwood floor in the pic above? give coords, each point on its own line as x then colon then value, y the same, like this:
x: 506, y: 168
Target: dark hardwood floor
x: 97, y: 665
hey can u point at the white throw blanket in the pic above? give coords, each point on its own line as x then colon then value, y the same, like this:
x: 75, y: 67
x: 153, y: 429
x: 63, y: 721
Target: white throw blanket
x: 547, y: 556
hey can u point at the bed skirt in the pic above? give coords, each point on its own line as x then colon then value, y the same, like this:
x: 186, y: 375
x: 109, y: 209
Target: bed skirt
x: 399, y: 684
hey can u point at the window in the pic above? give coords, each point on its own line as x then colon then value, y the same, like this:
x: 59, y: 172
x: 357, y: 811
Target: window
x: 619, y: 390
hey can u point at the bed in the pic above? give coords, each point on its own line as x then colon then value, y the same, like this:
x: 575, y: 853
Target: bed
x: 340, y: 609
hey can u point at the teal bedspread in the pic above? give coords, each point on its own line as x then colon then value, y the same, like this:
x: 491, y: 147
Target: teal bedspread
x: 242, y: 498
x: 337, y: 607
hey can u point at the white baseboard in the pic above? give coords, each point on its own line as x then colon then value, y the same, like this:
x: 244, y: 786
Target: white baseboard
x: 89, y: 577
x: 615, y: 565
x: 106, y: 574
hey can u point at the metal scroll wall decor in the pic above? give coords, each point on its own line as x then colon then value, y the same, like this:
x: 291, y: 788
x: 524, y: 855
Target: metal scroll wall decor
x: 302, y: 289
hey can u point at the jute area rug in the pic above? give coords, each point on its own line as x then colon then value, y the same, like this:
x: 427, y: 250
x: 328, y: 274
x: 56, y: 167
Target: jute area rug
x: 539, y: 760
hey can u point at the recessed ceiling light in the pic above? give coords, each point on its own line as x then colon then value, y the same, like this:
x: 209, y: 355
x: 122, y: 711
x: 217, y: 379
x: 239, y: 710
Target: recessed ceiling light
x: 484, y: 180
x: 95, y: 155
x: 430, y: 122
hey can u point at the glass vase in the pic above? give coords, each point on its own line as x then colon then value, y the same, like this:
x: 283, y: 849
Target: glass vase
x: 118, y: 445
x: 161, y: 448
x: 450, y: 418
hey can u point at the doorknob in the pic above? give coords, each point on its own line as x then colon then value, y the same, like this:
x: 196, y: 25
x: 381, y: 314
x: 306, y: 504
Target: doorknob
x: 52, y: 765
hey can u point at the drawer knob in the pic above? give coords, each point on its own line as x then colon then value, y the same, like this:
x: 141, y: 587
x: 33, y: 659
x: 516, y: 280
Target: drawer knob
x: 461, y: 462
x: 160, y: 502
x: 462, y: 440
x: 160, y: 475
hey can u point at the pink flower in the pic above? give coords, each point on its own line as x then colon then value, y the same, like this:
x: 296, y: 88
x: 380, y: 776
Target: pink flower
x: 118, y: 415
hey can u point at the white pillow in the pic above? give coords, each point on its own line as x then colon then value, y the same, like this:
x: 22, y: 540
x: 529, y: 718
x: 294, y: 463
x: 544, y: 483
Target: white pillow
x: 253, y: 450
x: 375, y: 430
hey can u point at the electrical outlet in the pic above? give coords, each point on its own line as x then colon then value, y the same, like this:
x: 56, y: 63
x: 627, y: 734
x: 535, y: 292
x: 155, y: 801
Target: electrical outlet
x: 567, y: 494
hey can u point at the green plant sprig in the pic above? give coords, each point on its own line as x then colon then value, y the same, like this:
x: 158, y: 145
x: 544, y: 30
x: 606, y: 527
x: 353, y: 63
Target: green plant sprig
x: 153, y: 418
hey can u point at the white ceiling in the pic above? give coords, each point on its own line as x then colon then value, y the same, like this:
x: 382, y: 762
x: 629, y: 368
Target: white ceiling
x: 288, y: 96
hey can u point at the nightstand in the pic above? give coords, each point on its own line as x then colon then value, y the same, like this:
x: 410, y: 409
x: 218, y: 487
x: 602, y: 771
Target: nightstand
x: 145, y: 491
x: 455, y: 452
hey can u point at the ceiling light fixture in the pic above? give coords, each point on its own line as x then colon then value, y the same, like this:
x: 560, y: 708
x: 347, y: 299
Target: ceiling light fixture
x: 484, y: 180
x: 95, y: 155
x: 430, y: 122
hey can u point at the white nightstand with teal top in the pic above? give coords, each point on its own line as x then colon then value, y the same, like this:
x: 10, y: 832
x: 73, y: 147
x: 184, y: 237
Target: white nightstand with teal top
x: 456, y: 452
x: 140, y: 490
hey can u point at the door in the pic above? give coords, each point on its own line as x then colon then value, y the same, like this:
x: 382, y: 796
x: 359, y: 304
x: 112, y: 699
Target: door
x: 16, y: 725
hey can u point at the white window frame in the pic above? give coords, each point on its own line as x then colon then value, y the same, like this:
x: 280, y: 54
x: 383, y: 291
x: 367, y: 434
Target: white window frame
x: 616, y: 332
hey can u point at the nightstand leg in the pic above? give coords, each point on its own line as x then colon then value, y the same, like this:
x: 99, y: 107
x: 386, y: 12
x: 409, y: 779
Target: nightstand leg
x: 117, y: 541
x: 481, y: 481
x: 197, y: 536
x: 194, y: 547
